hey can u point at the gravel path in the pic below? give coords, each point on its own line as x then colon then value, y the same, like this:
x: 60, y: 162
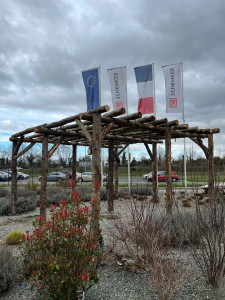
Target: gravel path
x: 116, y: 282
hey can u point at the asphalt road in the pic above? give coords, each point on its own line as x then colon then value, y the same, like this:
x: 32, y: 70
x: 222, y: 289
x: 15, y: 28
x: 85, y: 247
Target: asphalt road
x: 121, y: 181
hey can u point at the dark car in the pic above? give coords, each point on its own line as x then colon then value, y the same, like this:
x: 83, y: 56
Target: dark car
x: 162, y: 176
x: 55, y: 176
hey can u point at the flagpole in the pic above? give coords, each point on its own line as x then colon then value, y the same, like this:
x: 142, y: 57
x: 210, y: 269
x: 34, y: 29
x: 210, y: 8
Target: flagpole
x: 185, y: 169
x: 100, y: 103
x: 128, y: 148
x: 153, y: 72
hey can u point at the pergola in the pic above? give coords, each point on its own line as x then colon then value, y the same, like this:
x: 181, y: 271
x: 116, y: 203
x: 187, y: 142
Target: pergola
x: 113, y: 130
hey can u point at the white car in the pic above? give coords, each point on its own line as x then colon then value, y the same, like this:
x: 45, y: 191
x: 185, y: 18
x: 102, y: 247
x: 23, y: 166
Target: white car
x: 87, y: 176
x: 146, y: 176
x: 4, y: 176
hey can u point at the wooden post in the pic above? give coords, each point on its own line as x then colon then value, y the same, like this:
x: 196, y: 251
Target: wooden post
x: 74, y: 160
x: 211, y: 168
x: 169, y: 197
x: 14, y: 179
x: 44, y: 174
x: 116, y: 176
x: 110, y: 176
x: 155, y: 197
x: 96, y: 168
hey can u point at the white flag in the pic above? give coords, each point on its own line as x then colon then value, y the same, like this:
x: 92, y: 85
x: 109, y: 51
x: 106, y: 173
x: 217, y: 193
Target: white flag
x: 118, y: 83
x: 174, y: 88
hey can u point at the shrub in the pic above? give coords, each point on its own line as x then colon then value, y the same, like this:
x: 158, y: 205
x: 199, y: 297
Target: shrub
x: 22, y: 205
x: 186, y: 203
x: 8, y: 267
x: 15, y: 237
x: 209, y: 222
x: 64, y: 252
x: 4, y: 192
x: 84, y: 192
x: 183, y: 229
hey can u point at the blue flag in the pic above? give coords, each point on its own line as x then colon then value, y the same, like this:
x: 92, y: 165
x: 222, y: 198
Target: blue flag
x: 91, y: 83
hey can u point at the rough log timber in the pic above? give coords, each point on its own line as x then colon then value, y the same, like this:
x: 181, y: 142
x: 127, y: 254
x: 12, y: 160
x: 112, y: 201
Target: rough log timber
x: 44, y: 173
x: 14, y: 180
x: 211, y: 168
x: 169, y: 197
x: 155, y: 197
x: 18, y: 144
x: 74, y: 159
x: 24, y: 151
x: 55, y: 147
x: 110, y: 176
x: 96, y: 167
x: 84, y: 130
x: 199, y: 142
x: 149, y: 151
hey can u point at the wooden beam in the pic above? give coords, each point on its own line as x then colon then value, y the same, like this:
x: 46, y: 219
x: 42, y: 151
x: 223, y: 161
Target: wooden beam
x: 148, y: 150
x: 107, y: 129
x: 74, y: 160
x: 145, y: 119
x: 55, y: 132
x: 44, y: 173
x: 122, y: 149
x: 84, y: 130
x: 211, y: 168
x: 55, y: 147
x: 169, y: 197
x: 24, y: 150
x: 89, y: 115
x: 115, y: 113
x: 155, y: 196
x: 96, y: 168
x: 110, y: 176
x: 14, y: 180
x: 19, y: 143
x: 116, y: 176
x: 199, y: 142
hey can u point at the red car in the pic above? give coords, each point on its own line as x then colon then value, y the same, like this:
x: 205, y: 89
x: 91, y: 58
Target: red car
x: 162, y: 176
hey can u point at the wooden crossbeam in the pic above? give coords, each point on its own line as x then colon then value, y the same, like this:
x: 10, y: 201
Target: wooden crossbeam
x: 24, y: 150
x: 84, y: 130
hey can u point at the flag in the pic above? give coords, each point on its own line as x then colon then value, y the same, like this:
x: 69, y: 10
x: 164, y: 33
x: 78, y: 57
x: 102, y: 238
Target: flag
x: 145, y: 85
x: 92, y: 87
x: 174, y: 88
x: 118, y: 84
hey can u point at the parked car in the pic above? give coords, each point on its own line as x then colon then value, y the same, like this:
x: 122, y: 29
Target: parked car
x: 87, y: 176
x: 146, y: 176
x: 5, y: 176
x: 162, y: 176
x: 21, y: 175
x: 55, y: 176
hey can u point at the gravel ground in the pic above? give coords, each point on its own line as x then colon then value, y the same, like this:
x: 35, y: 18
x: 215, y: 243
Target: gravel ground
x: 116, y: 281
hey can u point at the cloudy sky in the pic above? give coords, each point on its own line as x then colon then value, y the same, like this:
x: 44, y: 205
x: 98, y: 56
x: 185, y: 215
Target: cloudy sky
x: 45, y: 44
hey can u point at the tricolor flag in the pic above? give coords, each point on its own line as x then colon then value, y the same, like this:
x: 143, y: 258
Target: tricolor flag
x: 145, y: 83
x: 92, y: 86
x: 118, y: 84
x: 174, y: 88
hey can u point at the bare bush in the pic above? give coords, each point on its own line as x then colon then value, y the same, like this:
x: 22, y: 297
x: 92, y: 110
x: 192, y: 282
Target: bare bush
x: 209, y: 254
x: 143, y: 233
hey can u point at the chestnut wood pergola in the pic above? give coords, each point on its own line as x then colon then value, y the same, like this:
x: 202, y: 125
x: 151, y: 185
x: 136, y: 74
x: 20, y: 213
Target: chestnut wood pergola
x: 113, y: 130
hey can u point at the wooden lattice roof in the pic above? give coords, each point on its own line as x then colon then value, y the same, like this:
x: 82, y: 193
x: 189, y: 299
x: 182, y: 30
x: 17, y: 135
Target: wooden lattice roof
x: 115, y: 125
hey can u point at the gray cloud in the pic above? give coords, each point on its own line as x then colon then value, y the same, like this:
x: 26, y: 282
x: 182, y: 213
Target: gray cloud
x: 46, y: 44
